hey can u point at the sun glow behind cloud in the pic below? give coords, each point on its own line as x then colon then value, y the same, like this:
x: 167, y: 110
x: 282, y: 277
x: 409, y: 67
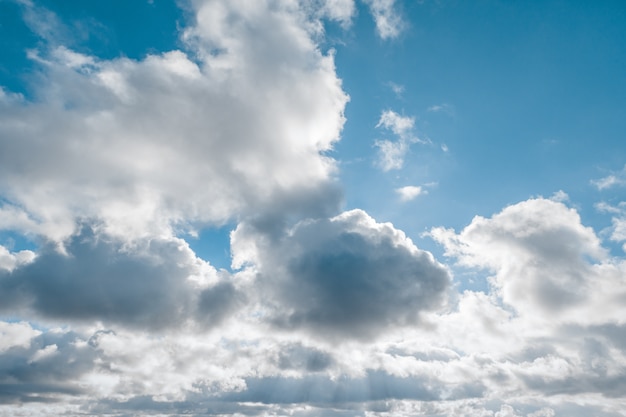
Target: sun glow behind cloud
x: 108, y: 165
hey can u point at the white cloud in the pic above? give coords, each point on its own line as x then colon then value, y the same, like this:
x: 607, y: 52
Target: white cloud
x: 340, y: 10
x: 610, y: 181
x: 399, y: 125
x: 545, y: 262
x: 410, y: 192
x: 389, y: 21
x: 392, y: 153
x: 147, y: 147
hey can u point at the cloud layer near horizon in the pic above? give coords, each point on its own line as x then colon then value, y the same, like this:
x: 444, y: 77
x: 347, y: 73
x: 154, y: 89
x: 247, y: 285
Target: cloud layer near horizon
x: 324, y: 312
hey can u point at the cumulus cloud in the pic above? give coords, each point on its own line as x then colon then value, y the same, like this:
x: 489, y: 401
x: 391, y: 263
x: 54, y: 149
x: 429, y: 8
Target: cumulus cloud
x: 111, y: 160
x: 345, y: 276
x: 389, y: 21
x: 544, y: 260
x: 236, y: 120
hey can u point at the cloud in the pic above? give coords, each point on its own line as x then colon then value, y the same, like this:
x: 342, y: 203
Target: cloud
x: 340, y: 10
x: 396, y: 88
x: 610, y: 181
x: 545, y: 262
x: 389, y: 22
x: 44, y: 367
x: 237, y: 119
x: 156, y: 284
x: 392, y: 153
x: 342, y: 277
x: 410, y: 192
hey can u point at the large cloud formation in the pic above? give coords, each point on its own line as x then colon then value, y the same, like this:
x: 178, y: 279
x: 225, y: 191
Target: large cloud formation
x: 238, y: 120
x: 111, y: 162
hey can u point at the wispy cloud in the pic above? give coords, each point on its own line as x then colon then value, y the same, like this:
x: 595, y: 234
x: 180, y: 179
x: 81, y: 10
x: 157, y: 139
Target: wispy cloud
x: 389, y: 21
x: 613, y: 180
x: 392, y: 153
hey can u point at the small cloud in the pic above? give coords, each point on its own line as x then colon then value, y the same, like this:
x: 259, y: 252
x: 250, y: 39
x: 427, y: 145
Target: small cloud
x: 391, y: 153
x: 444, y: 147
x: 409, y: 192
x: 560, y: 196
x: 397, y: 89
x: 400, y: 125
x: 441, y: 108
x: 616, y: 179
x: 341, y: 11
x: 389, y: 22
x: 604, y: 207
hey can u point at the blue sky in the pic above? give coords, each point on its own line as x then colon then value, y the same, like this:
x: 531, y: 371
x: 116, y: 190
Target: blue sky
x: 312, y: 208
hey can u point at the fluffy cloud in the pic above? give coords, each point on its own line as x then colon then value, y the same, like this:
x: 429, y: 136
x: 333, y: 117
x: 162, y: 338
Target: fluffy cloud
x: 237, y: 120
x: 345, y: 276
x: 540, y: 253
x: 409, y: 192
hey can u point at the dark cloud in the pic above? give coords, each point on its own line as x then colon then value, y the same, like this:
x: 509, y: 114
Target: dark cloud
x: 99, y: 279
x: 343, y: 277
x: 304, y: 358
x: 49, y: 367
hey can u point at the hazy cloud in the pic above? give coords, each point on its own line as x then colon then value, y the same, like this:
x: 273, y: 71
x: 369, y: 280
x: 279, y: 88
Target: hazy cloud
x: 389, y: 21
x: 610, y: 181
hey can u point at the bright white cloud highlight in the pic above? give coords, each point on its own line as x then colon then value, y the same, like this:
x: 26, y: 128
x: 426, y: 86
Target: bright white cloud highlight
x: 410, y: 192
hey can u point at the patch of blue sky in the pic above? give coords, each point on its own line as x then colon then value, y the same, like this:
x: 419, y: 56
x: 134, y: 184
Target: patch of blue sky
x: 106, y: 30
x: 213, y: 245
x: 15, y: 241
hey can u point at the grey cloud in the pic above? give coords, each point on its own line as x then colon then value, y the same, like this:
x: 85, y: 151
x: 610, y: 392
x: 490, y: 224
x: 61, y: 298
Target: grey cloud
x: 343, y: 277
x: 24, y: 377
x: 101, y: 280
x: 329, y: 396
x: 217, y: 302
x: 304, y: 358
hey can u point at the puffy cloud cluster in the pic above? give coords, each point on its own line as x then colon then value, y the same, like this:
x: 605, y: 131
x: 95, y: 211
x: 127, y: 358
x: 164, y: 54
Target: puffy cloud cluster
x: 238, y: 120
x: 545, y: 261
x: 325, y: 313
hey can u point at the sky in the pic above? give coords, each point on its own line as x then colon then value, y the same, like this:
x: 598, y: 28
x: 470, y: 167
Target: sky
x: 300, y: 208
